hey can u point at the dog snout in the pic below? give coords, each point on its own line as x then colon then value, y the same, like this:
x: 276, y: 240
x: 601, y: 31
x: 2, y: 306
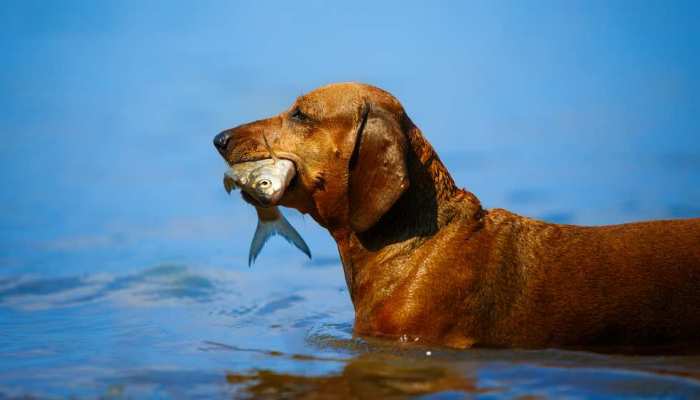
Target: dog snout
x: 221, y: 141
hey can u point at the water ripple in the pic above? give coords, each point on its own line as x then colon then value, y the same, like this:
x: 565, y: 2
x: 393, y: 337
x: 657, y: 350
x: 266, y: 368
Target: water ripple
x: 158, y: 284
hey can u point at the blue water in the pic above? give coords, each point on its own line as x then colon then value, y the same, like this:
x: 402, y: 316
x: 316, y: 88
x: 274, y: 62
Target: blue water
x: 123, y: 263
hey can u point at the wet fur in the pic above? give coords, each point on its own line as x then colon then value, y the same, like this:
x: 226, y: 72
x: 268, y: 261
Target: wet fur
x: 437, y: 267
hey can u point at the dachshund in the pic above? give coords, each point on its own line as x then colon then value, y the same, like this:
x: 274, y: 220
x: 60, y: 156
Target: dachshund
x: 424, y: 262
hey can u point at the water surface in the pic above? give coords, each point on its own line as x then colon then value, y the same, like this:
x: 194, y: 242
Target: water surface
x: 94, y: 315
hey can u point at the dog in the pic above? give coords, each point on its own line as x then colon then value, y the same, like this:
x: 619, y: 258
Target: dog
x: 424, y: 262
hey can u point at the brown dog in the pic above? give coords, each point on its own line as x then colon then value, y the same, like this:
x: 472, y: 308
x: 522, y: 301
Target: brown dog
x: 423, y: 261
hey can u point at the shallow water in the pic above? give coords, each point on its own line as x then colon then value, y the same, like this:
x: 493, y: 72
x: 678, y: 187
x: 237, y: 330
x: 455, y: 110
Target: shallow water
x: 93, y: 316
x: 123, y: 263
x: 186, y: 331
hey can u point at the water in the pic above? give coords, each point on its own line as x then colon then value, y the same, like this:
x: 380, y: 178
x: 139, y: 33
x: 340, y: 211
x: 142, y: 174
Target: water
x: 123, y: 263
x: 95, y: 316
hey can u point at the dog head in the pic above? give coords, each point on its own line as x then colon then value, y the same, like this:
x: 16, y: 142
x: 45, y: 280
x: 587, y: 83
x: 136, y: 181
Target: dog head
x: 348, y: 142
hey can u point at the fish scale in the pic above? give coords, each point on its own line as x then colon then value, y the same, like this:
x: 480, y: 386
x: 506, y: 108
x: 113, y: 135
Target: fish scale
x: 265, y: 181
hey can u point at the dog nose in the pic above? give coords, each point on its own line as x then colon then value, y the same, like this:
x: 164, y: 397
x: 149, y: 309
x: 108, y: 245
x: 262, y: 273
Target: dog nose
x: 221, y: 140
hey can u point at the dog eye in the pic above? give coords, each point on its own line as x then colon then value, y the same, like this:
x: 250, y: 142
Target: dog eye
x: 298, y: 116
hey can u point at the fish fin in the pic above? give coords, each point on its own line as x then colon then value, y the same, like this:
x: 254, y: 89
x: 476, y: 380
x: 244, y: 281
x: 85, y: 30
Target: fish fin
x: 264, y: 231
x: 280, y: 226
x: 229, y: 184
x: 287, y: 231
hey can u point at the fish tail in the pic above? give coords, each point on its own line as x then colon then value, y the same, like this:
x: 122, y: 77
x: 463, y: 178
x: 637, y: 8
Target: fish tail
x: 287, y: 231
x: 269, y: 228
x: 263, y: 232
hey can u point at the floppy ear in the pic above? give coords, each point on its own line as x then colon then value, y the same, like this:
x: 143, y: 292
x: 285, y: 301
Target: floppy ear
x: 377, y: 169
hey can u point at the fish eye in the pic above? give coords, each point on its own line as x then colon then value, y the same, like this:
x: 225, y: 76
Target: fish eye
x: 264, y: 183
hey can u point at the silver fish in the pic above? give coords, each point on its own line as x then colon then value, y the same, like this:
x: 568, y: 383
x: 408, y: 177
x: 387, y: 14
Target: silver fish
x: 265, y: 181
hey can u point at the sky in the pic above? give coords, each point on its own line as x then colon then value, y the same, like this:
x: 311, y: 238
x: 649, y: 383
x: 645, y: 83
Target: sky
x: 107, y: 109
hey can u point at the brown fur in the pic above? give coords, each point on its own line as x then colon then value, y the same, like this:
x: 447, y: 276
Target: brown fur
x: 424, y: 261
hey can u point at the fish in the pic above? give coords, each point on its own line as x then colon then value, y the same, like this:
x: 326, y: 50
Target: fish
x: 271, y: 222
x: 265, y: 181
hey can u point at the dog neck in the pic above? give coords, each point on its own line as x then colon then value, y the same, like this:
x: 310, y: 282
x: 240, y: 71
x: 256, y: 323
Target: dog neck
x: 431, y: 202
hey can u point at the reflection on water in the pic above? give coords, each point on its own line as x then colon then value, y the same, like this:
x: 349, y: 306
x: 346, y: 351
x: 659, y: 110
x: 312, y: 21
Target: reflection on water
x: 362, y: 377
x: 381, y: 376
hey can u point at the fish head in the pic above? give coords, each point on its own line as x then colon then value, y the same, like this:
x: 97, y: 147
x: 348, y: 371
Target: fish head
x: 262, y: 182
x: 240, y: 174
x: 267, y: 188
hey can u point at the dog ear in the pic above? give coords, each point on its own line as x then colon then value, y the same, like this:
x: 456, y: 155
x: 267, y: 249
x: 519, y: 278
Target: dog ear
x: 377, y: 168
